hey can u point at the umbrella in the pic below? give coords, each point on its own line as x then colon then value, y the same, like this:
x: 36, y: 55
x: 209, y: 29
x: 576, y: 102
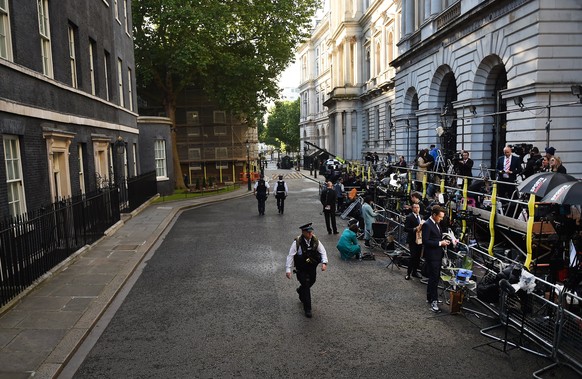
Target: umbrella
x: 567, y: 193
x: 541, y: 183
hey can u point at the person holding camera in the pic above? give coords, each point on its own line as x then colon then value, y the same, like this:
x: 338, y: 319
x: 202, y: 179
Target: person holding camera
x: 533, y: 163
x: 305, y: 254
x: 465, y: 165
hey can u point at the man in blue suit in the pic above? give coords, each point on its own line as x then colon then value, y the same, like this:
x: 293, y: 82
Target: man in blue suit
x: 433, y: 243
x: 508, y: 167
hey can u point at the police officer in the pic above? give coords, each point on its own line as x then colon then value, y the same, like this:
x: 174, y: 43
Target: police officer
x: 306, y: 253
x: 281, y: 191
x: 261, y: 191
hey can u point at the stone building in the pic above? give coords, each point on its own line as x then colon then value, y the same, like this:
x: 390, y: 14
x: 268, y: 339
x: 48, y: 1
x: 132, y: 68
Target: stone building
x: 465, y: 74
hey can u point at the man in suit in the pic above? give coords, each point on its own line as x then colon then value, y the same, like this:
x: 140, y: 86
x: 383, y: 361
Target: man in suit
x: 412, y: 226
x: 465, y: 165
x: 329, y: 201
x: 508, y: 166
x: 433, y: 243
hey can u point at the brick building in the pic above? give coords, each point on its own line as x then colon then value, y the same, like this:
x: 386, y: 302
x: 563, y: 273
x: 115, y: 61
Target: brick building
x: 68, y: 109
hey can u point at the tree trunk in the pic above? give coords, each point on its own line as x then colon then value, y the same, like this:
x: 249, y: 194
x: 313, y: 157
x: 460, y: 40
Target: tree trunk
x: 170, y: 107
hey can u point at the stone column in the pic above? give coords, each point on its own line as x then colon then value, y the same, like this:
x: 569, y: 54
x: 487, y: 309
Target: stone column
x: 435, y: 6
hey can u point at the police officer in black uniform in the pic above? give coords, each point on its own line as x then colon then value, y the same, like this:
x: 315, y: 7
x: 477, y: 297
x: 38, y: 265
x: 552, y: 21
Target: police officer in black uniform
x: 306, y: 253
x: 261, y: 192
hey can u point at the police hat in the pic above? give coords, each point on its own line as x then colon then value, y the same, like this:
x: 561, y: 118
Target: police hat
x: 307, y: 227
x: 550, y: 150
x: 280, y: 177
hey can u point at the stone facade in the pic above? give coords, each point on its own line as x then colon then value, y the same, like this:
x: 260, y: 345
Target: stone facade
x: 465, y: 74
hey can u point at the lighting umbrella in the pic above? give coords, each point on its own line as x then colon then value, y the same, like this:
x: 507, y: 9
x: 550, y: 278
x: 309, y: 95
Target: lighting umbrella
x: 541, y: 183
x: 567, y: 193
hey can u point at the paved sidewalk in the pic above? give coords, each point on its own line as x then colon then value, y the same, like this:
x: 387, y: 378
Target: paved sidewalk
x: 42, y: 330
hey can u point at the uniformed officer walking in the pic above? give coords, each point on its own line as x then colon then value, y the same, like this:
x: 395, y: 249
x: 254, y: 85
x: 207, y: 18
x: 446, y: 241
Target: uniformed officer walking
x: 306, y: 253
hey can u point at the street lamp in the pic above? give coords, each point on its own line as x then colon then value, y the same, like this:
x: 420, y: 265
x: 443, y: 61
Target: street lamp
x: 248, y: 165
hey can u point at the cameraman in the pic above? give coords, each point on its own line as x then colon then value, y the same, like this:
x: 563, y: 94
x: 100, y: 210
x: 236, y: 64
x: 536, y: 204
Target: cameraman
x: 465, y: 165
x: 533, y: 163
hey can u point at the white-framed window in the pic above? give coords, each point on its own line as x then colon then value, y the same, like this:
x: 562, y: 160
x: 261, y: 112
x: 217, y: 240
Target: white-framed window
x: 73, y: 57
x: 160, y: 157
x: 92, y: 45
x: 193, y: 131
x: 107, y: 76
x: 135, y: 172
x: 129, y: 89
x: 14, y: 179
x: 220, y: 130
x: 221, y: 165
x: 126, y: 16
x: 81, y: 168
x: 120, y: 81
x: 101, y: 161
x: 5, y: 38
x: 221, y: 153
x: 116, y: 10
x: 45, y: 38
x: 194, y: 154
x: 219, y: 117
x: 192, y: 118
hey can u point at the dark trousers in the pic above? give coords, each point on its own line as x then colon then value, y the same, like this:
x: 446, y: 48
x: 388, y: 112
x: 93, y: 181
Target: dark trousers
x: 280, y: 204
x: 261, y: 200
x: 330, y: 219
x: 306, y: 278
x: 414, y: 262
x: 433, y: 270
x: 340, y: 203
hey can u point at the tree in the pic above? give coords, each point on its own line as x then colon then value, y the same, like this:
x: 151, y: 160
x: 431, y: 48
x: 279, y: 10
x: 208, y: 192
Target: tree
x: 233, y: 51
x: 283, y: 125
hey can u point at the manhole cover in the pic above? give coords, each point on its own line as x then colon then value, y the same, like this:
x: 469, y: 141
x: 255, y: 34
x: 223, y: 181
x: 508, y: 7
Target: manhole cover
x: 126, y: 247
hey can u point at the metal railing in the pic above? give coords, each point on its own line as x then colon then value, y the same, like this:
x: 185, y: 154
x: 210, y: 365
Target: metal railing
x: 137, y: 190
x: 33, y: 243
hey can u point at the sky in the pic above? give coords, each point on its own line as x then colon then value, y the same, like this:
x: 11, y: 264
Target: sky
x: 290, y: 77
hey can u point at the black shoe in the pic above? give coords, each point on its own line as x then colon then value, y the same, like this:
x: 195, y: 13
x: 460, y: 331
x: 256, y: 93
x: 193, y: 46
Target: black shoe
x: 336, y: 232
x: 407, y: 277
x: 329, y: 232
x: 308, y: 313
x: 417, y: 275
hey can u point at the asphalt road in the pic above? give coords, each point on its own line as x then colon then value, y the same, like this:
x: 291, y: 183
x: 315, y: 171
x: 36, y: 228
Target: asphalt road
x: 213, y: 302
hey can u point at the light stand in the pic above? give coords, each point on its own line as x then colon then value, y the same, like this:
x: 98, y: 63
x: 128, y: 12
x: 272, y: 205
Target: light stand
x: 248, y: 165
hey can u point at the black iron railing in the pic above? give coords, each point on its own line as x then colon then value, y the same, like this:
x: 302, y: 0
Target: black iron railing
x: 137, y: 190
x: 33, y: 243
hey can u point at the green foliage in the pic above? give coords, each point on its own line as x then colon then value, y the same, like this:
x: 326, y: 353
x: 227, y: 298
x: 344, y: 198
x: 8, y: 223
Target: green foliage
x: 233, y: 50
x: 283, y: 125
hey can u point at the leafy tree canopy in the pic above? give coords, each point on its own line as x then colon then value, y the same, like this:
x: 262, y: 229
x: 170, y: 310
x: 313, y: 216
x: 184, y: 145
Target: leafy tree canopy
x: 233, y: 50
x: 283, y: 125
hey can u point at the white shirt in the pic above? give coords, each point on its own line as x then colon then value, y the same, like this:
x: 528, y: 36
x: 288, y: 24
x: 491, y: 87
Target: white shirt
x: 293, y: 251
x: 257, y: 184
